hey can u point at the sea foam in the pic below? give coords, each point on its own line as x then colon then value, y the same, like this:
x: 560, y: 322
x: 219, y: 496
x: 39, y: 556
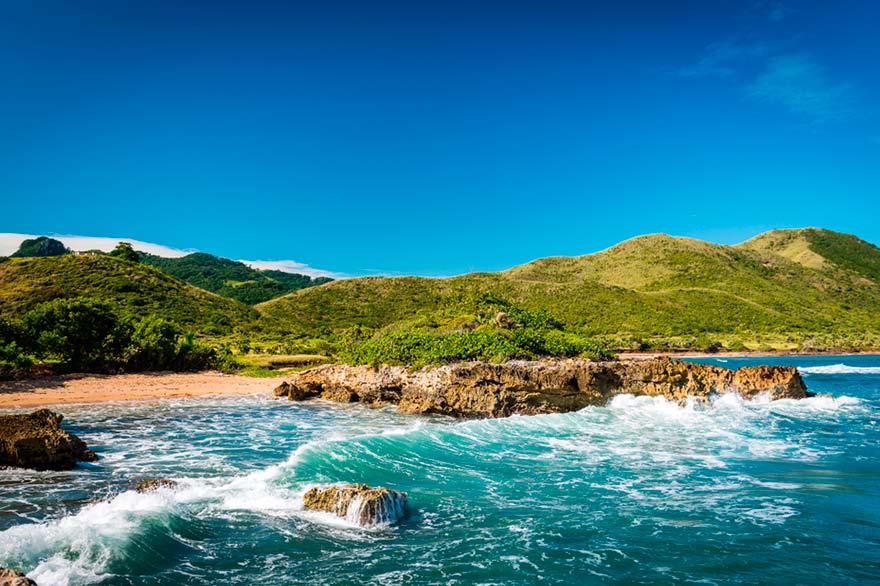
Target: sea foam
x: 839, y: 369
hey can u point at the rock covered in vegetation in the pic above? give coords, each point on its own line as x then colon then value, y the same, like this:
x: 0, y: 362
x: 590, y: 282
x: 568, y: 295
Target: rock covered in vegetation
x: 36, y: 440
x: 480, y: 389
x: 358, y: 503
x: 41, y: 246
x: 10, y: 577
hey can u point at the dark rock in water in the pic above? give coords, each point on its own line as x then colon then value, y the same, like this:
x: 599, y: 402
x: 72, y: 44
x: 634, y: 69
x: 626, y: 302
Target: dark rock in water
x: 358, y: 503
x: 154, y: 484
x: 300, y: 393
x: 283, y: 390
x: 37, y: 441
x: 481, y: 389
x: 12, y: 578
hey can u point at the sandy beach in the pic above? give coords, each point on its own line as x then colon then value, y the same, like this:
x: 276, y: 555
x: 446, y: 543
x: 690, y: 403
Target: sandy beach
x: 87, y: 388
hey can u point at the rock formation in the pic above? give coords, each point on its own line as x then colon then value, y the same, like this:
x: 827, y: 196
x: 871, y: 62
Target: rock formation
x: 154, y: 484
x: 358, y: 503
x: 480, y: 389
x: 12, y: 578
x: 37, y: 441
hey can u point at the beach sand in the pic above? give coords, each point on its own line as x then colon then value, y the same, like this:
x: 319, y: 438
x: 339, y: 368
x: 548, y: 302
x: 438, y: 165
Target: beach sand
x: 90, y: 388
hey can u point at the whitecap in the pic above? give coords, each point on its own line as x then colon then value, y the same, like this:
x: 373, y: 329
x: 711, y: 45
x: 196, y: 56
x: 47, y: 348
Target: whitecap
x: 839, y: 369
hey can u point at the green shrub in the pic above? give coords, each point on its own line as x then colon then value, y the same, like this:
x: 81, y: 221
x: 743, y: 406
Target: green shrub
x: 419, y: 347
x: 81, y: 333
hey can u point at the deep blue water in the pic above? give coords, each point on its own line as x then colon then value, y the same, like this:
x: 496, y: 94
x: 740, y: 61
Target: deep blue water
x: 641, y: 491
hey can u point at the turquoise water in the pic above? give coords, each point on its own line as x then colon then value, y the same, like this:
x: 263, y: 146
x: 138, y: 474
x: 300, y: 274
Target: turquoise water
x: 641, y: 491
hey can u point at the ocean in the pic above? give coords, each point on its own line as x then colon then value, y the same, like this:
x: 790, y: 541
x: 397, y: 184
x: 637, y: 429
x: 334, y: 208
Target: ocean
x: 639, y: 491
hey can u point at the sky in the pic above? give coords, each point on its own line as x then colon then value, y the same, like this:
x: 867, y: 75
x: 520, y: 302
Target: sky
x: 436, y: 138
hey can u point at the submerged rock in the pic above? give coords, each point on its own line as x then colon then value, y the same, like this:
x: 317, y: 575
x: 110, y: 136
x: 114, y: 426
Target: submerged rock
x: 154, y: 484
x: 12, y: 578
x: 480, y: 389
x: 358, y: 503
x: 36, y: 440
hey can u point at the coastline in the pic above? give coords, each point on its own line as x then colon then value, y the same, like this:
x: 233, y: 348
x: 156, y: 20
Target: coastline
x: 100, y: 388
x: 41, y: 391
x: 747, y: 354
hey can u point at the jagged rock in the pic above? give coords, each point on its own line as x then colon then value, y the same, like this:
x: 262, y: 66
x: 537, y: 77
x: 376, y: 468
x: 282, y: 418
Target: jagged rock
x: 480, y: 389
x: 154, y: 484
x: 10, y: 577
x: 358, y: 503
x: 298, y: 393
x: 282, y: 390
x: 37, y: 441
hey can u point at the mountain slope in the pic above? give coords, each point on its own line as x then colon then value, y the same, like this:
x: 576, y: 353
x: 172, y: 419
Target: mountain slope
x: 818, y: 248
x: 132, y: 288
x: 231, y: 278
x: 649, y: 287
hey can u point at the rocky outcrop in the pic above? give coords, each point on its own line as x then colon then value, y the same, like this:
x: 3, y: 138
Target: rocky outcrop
x: 480, y: 389
x: 358, y: 503
x: 12, y: 578
x: 154, y: 484
x: 37, y: 441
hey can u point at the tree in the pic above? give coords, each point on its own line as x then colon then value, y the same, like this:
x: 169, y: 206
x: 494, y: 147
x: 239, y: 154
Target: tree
x: 80, y: 332
x: 124, y: 251
x: 154, y: 345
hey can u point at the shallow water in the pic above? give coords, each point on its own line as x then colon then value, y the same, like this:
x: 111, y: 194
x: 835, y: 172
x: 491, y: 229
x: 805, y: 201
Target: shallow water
x: 641, y: 491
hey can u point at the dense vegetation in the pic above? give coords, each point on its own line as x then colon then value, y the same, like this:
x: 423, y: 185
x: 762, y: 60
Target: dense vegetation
x: 793, y: 289
x: 649, y: 292
x: 80, y: 334
x: 498, y: 331
x: 231, y: 278
x: 132, y: 289
x: 41, y: 246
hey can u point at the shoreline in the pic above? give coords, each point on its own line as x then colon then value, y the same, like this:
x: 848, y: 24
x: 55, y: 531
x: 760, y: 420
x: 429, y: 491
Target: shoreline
x: 41, y: 391
x: 645, y: 355
x: 102, y: 388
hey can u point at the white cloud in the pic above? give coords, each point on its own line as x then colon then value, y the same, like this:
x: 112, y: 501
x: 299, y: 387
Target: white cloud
x: 10, y: 241
x: 290, y: 266
x: 723, y: 59
x: 801, y: 86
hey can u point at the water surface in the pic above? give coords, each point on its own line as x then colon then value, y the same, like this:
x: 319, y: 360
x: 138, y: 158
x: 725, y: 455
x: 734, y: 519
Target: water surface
x: 641, y: 491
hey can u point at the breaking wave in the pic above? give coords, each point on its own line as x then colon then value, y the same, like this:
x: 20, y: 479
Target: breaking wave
x: 839, y: 369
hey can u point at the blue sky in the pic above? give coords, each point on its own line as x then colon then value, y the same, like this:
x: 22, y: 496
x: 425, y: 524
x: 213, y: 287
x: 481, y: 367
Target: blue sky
x: 436, y: 138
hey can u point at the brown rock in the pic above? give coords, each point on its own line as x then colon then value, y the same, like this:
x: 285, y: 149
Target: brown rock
x: 12, y: 578
x: 283, y: 390
x: 154, y: 484
x: 37, y: 441
x: 783, y: 383
x: 480, y: 389
x: 358, y: 503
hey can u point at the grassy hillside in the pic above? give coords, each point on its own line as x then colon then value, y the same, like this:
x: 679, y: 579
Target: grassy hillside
x: 231, y: 278
x: 789, y: 289
x: 132, y: 288
x: 805, y: 288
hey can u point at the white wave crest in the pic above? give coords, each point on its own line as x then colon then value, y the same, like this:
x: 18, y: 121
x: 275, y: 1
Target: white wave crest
x: 839, y: 369
x: 78, y: 549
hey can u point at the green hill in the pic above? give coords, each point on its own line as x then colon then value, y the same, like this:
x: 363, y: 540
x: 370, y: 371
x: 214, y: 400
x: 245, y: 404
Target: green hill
x: 132, y: 289
x: 40, y: 246
x: 231, y: 278
x: 796, y: 288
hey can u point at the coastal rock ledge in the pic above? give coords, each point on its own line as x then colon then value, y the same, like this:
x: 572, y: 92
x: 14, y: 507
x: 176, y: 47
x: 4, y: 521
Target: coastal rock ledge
x: 13, y: 578
x: 481, y: 389
x: 36, y: 440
